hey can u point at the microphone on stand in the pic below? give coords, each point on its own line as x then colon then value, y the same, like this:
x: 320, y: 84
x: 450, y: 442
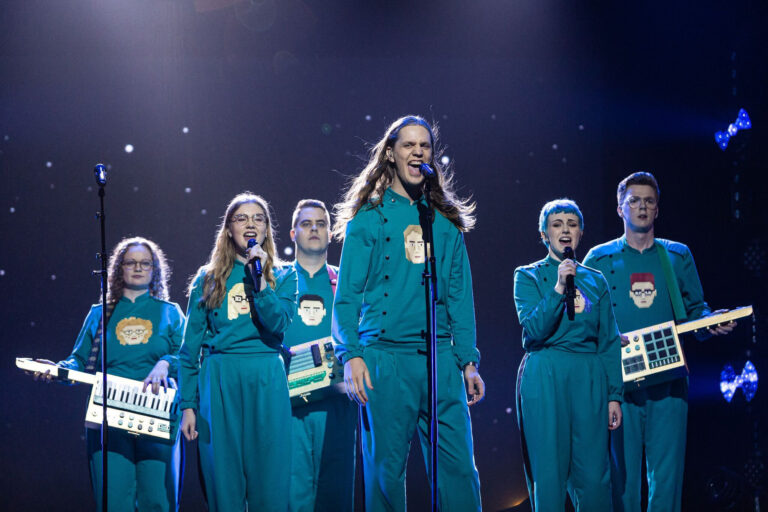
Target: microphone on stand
x: 570, y: 288
x: 427, y: 171
x: 100, y: 172
x: 256, y: 262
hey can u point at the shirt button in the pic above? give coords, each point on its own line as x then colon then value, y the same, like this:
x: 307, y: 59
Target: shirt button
x: 383, y: 312
x: 386, y: 277
x: 387, y: 239
x: 545, y: 278
x: 386, y: 294
x: 612, y: 272
x: 386, y: 220
x: 614, y: 287
x: 383, y: 331
x: 614, y: 304
x: 610, y: 255
x: 215, y: 313
x: 386, y: 257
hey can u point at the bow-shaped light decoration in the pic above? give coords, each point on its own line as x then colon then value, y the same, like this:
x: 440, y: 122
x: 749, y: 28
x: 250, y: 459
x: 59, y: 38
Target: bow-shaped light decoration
x: 742, y: 122
x: 730, y: 382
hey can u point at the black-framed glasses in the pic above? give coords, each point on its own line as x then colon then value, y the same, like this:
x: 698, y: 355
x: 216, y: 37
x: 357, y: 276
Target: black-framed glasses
x: 143, y: 265
x: 634, y: 202
x: 259, y: 219
x: 647, y: 292
x: 241, y: 298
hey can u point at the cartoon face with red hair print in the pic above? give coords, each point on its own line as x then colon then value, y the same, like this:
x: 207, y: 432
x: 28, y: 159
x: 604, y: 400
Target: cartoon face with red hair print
x: 642, y: 289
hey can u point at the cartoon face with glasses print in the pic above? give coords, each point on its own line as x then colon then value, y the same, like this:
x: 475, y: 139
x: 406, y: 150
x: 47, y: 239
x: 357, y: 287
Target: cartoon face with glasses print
x: 414, y: 244
x: 133, y: 331
x: 642, y: 289
x: 238, y: 302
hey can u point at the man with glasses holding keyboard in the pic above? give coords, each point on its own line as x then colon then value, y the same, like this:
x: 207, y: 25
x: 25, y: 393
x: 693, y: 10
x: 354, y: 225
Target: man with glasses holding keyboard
x: 651, y: 280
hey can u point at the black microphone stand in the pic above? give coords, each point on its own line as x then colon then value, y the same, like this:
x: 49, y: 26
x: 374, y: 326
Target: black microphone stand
x: 100, y: 173
x: 429, y: 280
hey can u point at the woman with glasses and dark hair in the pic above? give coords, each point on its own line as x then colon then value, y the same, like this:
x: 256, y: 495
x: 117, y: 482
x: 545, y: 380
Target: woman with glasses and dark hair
x: 235, y: 401
x: 144, y: 332
x: 569, y: 385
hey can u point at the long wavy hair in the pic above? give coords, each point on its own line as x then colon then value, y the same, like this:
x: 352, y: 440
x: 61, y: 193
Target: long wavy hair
x: 222, y: 259
x: 161, y: 272
x: 369, y: 186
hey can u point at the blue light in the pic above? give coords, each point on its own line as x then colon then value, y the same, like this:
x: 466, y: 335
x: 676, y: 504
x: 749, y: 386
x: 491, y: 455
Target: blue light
x: 742, y: 122
x: 730, y: 382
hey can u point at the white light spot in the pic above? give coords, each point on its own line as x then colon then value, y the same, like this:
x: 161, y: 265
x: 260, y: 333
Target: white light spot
x: 554, y: 146
x: 13, y: 210
x: 90, y: 189
x: 2, y: 272
x: 49, y: 164
x: 187, y: 190
x: 495, y: 421
x: 368, y: 117
x: 508, y: 410
x: 445, y: 160
x: 129, y: 148
x: 493, y: 116
x: 288, y: 250
x: 53, y: 187
x: 203, y: 211
x: 530, y: 153
x: 32, y: 324
x: 53, y: 277
x: 135, y: 189
x: 564, y: 160
x: 109, y: 168
x: 445, y: 116
x: 581, y: 127
x: 7, y: 138
x: 185, y: 129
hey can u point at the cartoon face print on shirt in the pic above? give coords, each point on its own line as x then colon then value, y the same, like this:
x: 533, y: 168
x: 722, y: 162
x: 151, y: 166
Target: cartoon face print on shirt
x: 311, y: 309
x: 642, y: 289
x: 133, y: 331
x: 414, y: 244
x: 581, y: 303
x: 238, y: 302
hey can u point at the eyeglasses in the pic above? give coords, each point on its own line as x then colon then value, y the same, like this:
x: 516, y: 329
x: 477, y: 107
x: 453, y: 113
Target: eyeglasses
x: 259, y: 219
x: 138, y: 332
x: 241, y: 298
x: 649, y: 202
x: 639, y: 293
x: 143, y: 265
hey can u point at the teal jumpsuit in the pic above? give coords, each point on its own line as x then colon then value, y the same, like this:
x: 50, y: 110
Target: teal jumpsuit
x: 379, y: 315
x: 240, y: 391
x: 570, y: 371
x: 655, y: 418
x: 323, y: 461
x: 143, y: 474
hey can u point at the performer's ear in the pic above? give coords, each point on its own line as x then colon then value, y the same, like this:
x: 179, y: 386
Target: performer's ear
x: 293, y: 235
x: 544, y: 239
x: 389, y: 155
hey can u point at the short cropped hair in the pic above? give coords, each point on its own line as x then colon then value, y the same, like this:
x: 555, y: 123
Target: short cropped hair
x: 310, y: 203
x: 637, y: 178
x: 563, y: 205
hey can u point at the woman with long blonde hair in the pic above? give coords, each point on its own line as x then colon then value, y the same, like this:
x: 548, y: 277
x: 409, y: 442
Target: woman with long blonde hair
x: 144, y: 332
x: 235, y: 401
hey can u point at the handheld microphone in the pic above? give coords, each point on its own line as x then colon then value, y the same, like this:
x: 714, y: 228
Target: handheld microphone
x: 256, y: 261
x: 427, y: 171
x: 570, y: 288
x: 100, y: 172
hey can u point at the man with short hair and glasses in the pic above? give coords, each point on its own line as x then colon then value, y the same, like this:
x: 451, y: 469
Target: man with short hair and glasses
x: 654, y: 417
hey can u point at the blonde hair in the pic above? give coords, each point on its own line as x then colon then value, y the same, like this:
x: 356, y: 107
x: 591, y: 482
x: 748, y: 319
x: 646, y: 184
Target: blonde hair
x: 369, y: 186
x: 224, y: 252
x: 161, y: 272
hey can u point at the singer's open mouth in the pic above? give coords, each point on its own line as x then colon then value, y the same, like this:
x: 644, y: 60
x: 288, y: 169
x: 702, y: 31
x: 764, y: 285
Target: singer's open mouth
x: 250, y: 234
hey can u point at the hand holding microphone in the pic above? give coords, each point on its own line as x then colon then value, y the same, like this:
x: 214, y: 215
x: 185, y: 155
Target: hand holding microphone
x: 253, y: 255
x: 567, y: 269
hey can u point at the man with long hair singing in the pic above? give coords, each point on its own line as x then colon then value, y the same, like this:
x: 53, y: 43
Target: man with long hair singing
x: 379, y: 318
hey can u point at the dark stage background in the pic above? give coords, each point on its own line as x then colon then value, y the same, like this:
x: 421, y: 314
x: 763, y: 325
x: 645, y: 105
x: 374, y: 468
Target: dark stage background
x: 534, y: 99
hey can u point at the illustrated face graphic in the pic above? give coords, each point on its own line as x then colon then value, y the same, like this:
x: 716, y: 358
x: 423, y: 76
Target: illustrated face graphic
x: 578, y: 302
x: 311, y: 309
x: 133, y: 331
x: 414, y: 244
x: 238, y: 302
x: 643, y: 290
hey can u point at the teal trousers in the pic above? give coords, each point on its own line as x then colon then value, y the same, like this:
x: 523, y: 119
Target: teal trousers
x: 144, y: 475
x: 323, y: 460
x: 398, y: 407
x: 655, y: 420
x: 244, y: 426
x: 563, y: 419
